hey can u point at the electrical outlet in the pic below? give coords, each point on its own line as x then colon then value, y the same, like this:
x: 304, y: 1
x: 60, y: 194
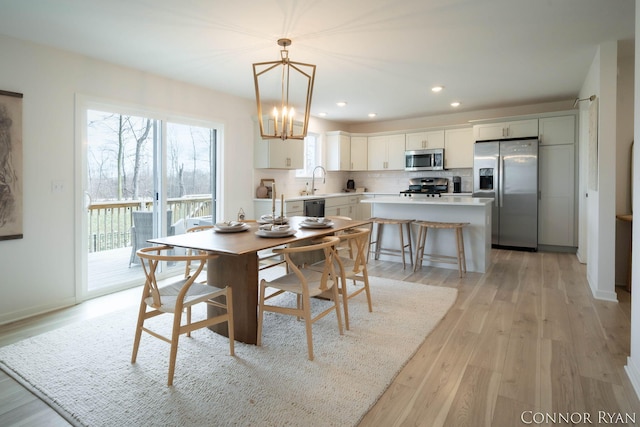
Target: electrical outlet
x: 57, y: 186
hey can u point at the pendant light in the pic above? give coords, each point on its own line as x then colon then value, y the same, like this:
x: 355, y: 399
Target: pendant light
x: 283, y: 96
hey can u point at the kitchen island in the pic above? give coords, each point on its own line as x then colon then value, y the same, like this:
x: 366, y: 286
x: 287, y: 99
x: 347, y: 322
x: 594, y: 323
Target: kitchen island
x: 475, y: 211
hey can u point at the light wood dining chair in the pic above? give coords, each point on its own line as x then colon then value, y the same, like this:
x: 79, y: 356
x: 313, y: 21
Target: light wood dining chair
x: 305, y: 283
x: 352, y: 265
x: 177, y: 297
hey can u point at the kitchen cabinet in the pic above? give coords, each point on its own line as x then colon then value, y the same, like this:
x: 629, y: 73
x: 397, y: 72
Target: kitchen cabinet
x: 338, y: 151
x: 423, y: 140
x: 291, y: 208
x: 386, y: 152
x: 513, y: 129
x: 358, y: 153
x: 458, y: 148
x: 557, y: 130
x: 556, y: 162
x: 278, y: 154
x: 556, y: 204
x: 342, y: 206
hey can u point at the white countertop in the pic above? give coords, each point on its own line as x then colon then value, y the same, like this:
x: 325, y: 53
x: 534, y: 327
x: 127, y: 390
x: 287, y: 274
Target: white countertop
x: 376, y: 194
x: 449, y: 200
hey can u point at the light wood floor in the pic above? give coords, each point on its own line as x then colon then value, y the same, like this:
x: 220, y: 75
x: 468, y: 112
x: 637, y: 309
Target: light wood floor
x: 525, y: 336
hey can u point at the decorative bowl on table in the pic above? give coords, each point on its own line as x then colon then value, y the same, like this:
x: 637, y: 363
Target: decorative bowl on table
x: 312, y: 222
x: 230, y: 226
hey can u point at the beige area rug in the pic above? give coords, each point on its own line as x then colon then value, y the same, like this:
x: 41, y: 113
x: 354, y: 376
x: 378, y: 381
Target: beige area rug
x: 84, y: 371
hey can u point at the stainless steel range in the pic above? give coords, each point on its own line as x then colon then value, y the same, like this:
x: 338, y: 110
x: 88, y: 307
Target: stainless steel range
x: 426, y: 187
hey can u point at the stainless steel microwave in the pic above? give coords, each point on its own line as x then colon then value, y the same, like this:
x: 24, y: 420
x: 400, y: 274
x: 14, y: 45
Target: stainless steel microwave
x: 424, y: 160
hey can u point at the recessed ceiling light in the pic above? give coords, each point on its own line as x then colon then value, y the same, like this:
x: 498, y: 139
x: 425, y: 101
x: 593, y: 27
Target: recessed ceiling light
x: 323, y: 114
x: 372, y: 115
x: 437, y: 89
x: 455, y: 104
x: 341, y: 104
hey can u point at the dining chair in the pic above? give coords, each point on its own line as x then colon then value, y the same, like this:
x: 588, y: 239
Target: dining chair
x: 353, y: 266
x: 177, y: 297
x: 187, y: 264
x: 351, y: 263
x: 304, y: 283
x: 142, y: 230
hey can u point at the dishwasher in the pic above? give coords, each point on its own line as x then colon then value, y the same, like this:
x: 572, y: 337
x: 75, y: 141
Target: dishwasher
x: 314, y: 207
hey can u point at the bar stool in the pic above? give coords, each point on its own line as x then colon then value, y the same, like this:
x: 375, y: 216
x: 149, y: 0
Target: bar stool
x: 378, y: 224
x: 423, y: 227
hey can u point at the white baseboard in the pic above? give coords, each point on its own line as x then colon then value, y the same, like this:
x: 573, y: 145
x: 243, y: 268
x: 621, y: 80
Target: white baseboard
x: 633, y: 372
x: 34, y: 311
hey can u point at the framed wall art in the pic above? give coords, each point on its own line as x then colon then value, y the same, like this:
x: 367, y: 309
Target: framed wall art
x: 10, y: 165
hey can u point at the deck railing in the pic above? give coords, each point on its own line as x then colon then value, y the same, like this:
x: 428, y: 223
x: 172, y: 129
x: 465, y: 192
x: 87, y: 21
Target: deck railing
x: 110, y: 221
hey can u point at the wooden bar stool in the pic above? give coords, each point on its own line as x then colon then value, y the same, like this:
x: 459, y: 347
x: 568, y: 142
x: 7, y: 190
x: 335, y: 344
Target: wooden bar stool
x: 423, y: 227
x: 378, y: 224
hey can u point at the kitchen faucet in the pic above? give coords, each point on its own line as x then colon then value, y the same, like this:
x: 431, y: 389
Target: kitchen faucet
x: 313, y: 178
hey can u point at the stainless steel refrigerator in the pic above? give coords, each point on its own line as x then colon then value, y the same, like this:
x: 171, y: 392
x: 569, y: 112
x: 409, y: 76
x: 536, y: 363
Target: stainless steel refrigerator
x: 507, y: 171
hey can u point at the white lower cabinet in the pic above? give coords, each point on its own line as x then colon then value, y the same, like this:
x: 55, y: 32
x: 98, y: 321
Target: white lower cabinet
x: 341, y: 206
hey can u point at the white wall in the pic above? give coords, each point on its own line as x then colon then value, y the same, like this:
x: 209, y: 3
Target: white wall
x: 624, y: 136
x: 633, y: 362
x: 37, y: 273
x: 597, y: 211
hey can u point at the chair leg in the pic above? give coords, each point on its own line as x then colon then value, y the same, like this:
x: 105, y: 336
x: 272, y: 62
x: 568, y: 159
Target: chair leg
x: 336, y: 299
x: 345, y: 299
x: 230, y: 322
x: 189, y: 320
x: 402, y: 246
x: 175, y: 336
x: 422, y: 241
x: 306, y: 303
x: 409, y: 238
x: 365, y: 276
x: 378, y: 240
x: 138, y: 336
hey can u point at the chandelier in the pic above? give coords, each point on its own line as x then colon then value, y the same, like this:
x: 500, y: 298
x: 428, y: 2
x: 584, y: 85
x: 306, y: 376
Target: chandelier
x: 283, y: 96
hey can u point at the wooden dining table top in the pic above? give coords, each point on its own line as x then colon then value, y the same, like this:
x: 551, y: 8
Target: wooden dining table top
x: 245, y: 242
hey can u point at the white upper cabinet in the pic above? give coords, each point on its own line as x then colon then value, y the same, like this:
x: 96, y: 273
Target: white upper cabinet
x: 514, y: 129
x: 278, y: 154
x: 557, y: 130
x: 423, y: 140
x: 338, y: 151
x: 359, y: 150
x: 386, y: 152
x: 458, y: 148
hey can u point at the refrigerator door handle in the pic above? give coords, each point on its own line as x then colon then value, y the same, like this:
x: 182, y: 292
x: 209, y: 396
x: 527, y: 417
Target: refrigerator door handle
x: 501, y: 179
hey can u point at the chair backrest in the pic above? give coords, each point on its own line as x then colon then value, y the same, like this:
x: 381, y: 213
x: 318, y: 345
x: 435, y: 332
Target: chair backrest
x: 150, y: 259
x: 357, y: 240
x: 143, y: 222
x: 327, y: 245
x: 195, y: 229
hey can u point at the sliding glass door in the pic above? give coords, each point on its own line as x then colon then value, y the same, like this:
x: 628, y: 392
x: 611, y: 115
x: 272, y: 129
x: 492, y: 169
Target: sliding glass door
x: 143, y: 176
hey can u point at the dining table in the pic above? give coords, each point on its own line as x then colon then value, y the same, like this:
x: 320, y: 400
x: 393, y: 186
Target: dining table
x: 237, y: 263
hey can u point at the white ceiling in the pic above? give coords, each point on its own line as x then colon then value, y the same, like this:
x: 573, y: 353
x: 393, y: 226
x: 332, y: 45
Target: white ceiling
x: 380, y: 56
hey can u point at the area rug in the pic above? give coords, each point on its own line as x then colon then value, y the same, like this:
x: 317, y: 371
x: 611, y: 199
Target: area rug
x: 84, y: 372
